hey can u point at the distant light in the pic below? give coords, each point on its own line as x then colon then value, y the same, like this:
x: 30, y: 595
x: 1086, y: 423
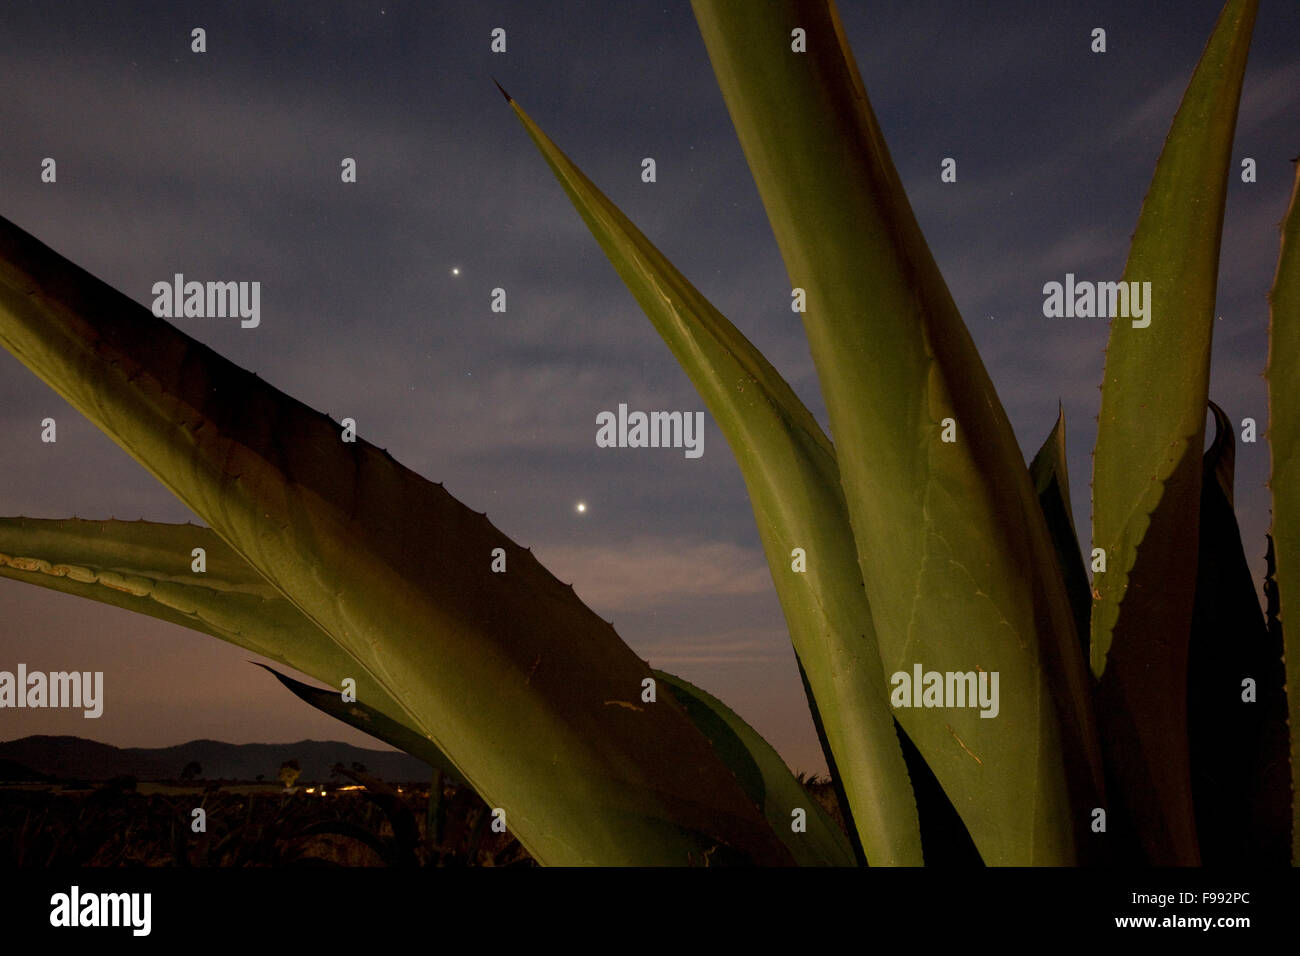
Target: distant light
x: 455, y: 270
x: 581, y: 507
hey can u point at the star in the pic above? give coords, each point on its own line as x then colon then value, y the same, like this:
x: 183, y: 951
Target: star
x: 580, y: 507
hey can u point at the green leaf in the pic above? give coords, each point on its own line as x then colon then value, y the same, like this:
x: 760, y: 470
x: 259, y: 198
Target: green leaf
x: 1240, y: 785
x: 953, y: 548
x: 1051, y: 477
x: 790, y: 471
x: 759, y: 769
x: 765, y: 777
x: 146, y: 567
x: 366, y: 719
x: 1147, y: 464
x: 530, y: 694
x: 1284, y: 441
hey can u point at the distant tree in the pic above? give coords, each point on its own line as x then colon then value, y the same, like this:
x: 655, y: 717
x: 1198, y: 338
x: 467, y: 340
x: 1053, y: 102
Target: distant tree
x: 289, y: 773
x: 358, y: 767
x: 192, y: 769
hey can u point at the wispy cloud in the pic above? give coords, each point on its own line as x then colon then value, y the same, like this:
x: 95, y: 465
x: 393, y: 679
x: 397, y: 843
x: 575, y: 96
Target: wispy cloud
x: 642, y: 573
x: 1267, y: 96
x: 724, y: 647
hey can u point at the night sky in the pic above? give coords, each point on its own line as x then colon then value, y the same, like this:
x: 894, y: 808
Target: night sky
x: 226, y: 166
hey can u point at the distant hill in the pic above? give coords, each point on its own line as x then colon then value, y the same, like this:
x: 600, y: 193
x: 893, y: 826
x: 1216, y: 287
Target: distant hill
x: 79, y: 759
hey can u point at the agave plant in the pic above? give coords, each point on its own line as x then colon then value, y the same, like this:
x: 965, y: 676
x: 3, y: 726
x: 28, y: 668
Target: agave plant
x: 918, y: 542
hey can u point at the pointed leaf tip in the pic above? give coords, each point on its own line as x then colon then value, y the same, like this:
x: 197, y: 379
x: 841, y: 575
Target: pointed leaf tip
x: 776, y: 437
x: 509, y: 98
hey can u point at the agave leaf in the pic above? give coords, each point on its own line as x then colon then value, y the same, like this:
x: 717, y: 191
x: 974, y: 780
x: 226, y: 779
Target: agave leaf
x: 837, y: 783
x: 1240, y: 785
x: 1051, y: 477
x: 530, y: 694
x: 1284, y: 441
x: 759, y: 769
x: 366, y: 719
x: 145, y: 566
x: 952, y: 544
x: 790, y: 471
x: 946, y: 841
x: 1289, y: 786
x: 765, y: 777
x: 1147, y: 464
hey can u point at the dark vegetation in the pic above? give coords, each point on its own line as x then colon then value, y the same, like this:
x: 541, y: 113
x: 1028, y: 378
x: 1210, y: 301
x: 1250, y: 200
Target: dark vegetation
x: 122, y: 823
x: 378, y: 825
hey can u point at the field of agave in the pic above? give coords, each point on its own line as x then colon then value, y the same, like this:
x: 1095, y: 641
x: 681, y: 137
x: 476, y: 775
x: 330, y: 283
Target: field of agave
x: 1137, y: 714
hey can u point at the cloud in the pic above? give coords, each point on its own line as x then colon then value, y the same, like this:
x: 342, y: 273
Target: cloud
x: 648, y: 571
x: 1274, y: 94
x: 723, y: 647
x: 1149, y: 120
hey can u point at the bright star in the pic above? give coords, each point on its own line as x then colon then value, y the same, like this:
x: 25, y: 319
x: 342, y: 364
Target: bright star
x: 580, y: 507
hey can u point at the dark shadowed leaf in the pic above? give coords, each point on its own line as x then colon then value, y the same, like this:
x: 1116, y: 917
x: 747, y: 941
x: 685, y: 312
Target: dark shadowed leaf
x: 1051, y: 477
x: 1240, y: 785
x: 1284, y: 442
x: 1147, y: 465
